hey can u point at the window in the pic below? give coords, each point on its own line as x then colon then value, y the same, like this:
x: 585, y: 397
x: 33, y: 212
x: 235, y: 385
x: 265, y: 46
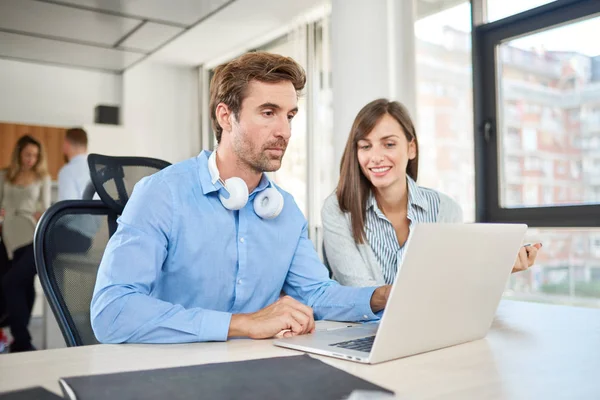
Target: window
x: 535, y: 74
x: 445, y: 104
x: 529, y: 139
x: 548, y: 196
x: 531, y: 194
x: 595, y: 245
x: 547, y: 128
x: 532, y: 164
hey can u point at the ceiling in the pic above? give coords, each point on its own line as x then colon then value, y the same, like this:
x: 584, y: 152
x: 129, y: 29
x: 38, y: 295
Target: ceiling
x: 221, y: 35
x: 108, y: 35
x: 113, y: 35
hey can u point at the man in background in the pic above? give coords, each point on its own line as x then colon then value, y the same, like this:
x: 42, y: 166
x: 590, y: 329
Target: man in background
x: 76, y: 232
x: 75, y: 175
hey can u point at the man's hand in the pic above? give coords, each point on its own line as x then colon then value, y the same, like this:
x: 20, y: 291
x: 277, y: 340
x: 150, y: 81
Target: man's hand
x: 526, y: 257
x: 380, y: 297
x: 286, y: 314
x: 2, y: 212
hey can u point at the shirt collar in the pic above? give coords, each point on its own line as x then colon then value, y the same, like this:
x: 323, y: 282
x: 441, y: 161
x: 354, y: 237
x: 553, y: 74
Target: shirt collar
x: 206, y: 182
x: 415, y: 197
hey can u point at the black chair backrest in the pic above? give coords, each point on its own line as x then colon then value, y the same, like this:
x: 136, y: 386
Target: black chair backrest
x: 69, y: 243
x: 114, y: 177
x: 71, y: 236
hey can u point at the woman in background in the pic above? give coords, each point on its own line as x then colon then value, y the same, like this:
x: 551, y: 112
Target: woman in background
x: 368, y: 219
x: 24, y: 196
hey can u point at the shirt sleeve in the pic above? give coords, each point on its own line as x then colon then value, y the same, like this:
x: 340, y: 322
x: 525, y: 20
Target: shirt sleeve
x: 343, y: 257
x: 307, y: 281
x: 123, y: 309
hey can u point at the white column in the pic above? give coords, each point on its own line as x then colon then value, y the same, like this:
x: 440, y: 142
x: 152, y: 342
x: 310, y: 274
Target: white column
x: 373, y: 56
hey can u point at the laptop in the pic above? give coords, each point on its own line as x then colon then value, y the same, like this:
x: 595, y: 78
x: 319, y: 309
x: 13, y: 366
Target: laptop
x: 446, y: 293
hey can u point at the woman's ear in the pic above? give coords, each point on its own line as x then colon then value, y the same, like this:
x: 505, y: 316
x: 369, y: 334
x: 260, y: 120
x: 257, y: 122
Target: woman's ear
x: 223, y: 113
x: 412, y: 150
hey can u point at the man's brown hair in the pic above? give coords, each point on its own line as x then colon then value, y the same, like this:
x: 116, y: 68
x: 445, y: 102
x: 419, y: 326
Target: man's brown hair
x: 77, y: 136
x: 354, y: 187
x: 230, y: 81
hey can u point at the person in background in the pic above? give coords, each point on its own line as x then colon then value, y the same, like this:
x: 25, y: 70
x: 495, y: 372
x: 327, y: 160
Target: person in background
x: 75, y: 175
x: 75, y: 233
x: 367, y: 221
x: 24, y: 196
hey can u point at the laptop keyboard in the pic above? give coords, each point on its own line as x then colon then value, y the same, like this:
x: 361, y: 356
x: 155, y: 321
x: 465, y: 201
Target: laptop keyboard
x: 363, y: 344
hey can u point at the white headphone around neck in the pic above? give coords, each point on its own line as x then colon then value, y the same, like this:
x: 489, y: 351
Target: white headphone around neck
x: 267, y: 204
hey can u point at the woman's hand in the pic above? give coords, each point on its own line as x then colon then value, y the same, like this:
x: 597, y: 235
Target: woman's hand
x: 37, y: 215
x: 526, y: 257
x: 2, y: 212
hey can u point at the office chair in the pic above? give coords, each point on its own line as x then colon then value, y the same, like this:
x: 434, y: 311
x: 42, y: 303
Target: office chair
x: 71, y: 236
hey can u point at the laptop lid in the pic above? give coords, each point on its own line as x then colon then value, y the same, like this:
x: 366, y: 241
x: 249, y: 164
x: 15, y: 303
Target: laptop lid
x: 448, y: 287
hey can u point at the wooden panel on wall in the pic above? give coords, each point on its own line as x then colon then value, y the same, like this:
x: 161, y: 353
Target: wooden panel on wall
x: 50, y: 137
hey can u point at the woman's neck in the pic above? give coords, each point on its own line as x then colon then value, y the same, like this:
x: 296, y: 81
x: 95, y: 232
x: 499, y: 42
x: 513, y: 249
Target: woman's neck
x: 393, y: 199
x: 25, y: 177
x: 26, y: 173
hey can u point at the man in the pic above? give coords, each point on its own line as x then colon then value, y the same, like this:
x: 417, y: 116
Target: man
x: 75, y: 175
x: 75, y: 234
x: 182, y: 267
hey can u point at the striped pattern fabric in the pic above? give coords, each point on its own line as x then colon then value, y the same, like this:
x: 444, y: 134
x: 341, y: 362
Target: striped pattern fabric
x: 423, y: 206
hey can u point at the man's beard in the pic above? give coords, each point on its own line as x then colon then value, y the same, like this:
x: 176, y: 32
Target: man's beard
x: 259, y: 160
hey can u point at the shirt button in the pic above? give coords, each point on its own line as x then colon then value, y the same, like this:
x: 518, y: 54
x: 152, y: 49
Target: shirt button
x: 242, y: 240
x: 239, y: 281
x: 365, y: 316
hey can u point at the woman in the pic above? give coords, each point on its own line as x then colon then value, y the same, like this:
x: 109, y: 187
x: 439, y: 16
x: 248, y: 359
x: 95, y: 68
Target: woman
x: 24, y: 195
x: 368, y: 219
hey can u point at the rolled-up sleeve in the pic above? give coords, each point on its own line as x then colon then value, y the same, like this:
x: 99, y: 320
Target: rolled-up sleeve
x: 122, y: 308
x: 308, y: 282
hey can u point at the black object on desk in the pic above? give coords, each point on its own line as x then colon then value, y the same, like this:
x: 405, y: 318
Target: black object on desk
x: 34, y: 393
x: 290, y: 378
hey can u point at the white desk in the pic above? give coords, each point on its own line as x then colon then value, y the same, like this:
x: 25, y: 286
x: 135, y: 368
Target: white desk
x: 533, y: 351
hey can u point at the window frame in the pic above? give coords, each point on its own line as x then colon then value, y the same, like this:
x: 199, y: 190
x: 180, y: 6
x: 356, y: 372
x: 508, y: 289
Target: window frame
x: 486, y: 38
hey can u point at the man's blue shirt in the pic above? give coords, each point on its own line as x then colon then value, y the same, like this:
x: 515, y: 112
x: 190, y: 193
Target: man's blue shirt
x: 180, y: 264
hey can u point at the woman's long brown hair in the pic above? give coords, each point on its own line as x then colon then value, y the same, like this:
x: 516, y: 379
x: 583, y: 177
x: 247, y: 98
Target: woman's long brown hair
x: 354, y: 187
x: 40, y: 168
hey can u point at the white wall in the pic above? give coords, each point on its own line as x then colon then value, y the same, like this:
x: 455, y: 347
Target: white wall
x: 56, y: 96
x: 110, y: 140
x: 373, y: 56
x: 160, y: 107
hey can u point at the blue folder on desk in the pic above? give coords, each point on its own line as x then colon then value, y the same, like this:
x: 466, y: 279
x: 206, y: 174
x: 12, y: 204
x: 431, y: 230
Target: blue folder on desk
x: 290, y: 378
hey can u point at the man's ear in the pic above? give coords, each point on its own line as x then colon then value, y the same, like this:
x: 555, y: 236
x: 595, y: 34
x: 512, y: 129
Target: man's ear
x: 224, y: 114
